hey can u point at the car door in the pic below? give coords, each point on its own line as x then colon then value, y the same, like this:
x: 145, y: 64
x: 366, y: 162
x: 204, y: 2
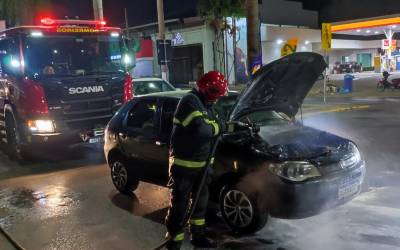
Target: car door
x: 139, y: 135
x: 168, y: 107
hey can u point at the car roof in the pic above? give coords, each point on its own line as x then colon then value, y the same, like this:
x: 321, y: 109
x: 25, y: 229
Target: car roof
x: 174, y: 94
x: 147, y: 79
x: 178, y: 94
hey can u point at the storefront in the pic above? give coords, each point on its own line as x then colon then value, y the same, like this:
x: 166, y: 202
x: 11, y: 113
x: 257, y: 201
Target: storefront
x: 366, y: 45
x: 191, y: 52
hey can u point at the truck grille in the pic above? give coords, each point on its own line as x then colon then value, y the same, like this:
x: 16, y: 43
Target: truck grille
x: 85, y: 114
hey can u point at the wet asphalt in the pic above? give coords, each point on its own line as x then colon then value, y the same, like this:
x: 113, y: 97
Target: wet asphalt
x: 66, y: 200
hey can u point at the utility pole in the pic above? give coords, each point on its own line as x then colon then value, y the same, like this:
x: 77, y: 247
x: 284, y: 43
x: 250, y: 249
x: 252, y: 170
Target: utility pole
x: 98, y: 9
x: 254, y: 52
x: 161, y: 37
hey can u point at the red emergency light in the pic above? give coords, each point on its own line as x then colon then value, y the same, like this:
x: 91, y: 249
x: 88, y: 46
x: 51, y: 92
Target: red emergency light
x: 49, y: 21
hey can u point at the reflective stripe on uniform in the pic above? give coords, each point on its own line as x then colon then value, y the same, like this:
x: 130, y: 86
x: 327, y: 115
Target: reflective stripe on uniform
x: 215, y: 125
x: 198, y: 222
x: 231, y: 128
x: 190, y: 117
x: 179, y: 237
x: 176, y: 121
x: 188, y: 164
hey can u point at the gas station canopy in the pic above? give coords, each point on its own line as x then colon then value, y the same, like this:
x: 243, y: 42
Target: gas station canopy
x: 370, y: 27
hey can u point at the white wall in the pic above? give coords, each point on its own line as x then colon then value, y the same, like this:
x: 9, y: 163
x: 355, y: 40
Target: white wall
x: 203, y: 35
x: 354, y: 44
x: 285, y: 33
x: 272, y: 50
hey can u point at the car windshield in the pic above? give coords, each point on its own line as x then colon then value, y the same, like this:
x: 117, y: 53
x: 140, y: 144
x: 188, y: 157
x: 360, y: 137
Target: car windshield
x: 72, y: 55
x: 261, y: 117
x: 153, y: 86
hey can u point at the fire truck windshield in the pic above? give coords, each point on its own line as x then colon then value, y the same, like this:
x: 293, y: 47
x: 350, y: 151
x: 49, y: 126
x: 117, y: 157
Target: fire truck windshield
x: 69, y: 55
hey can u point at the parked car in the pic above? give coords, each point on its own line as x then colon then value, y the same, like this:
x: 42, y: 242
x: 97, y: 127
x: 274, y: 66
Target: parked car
x: 287, y: 170
x: 349, y: 67
x: 143, y: 86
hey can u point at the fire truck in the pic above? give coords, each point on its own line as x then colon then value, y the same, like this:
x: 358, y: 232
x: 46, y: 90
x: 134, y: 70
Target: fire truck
x: 60, y: 83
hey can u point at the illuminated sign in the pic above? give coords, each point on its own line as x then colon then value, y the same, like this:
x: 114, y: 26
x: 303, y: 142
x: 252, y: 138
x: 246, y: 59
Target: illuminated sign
x: 177, y: 39
x: 76, y: 30
x: 387, y: 45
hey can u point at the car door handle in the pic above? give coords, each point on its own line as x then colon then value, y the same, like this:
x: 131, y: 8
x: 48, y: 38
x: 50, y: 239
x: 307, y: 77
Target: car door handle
x: 161, y: 144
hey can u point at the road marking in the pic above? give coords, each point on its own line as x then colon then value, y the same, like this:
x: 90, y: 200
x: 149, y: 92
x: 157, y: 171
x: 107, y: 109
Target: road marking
x: 338, y: 109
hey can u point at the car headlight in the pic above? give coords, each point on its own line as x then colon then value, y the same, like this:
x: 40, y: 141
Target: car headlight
x: 294, y: 170
x: 352, y: 158
x: 41, y: 126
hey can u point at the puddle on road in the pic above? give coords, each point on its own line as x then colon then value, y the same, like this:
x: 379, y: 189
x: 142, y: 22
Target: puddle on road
x: 22, y: 203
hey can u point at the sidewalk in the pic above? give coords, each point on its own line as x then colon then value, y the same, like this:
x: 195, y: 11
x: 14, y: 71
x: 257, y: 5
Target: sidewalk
x: 362, y: 87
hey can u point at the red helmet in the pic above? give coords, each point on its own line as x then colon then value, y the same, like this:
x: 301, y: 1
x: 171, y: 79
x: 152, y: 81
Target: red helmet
x: 212, y: 85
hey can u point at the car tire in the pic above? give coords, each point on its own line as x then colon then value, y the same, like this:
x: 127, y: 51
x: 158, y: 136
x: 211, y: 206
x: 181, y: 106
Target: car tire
x: 241, y: 211
x: 121, y: 177
x: 16, y: 151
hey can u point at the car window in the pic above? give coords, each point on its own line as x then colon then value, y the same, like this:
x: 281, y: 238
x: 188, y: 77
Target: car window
x: 224, y: 105
x: 9, y: 57
x: 142, y: 115
x: 266, y: 117
x: 168, y: 110
x: 148, y: 87
x: 167, y: 87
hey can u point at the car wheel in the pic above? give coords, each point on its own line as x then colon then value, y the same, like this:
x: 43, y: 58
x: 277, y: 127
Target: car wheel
x: 123, y: 181
x: 16, y: 150
x: 241, y: 211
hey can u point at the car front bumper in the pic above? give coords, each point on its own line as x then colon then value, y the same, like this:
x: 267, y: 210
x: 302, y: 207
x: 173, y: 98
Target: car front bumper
x: 299, y: 200
x: 63, y: 136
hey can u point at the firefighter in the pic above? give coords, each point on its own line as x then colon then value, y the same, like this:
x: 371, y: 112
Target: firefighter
x: 195, y: 129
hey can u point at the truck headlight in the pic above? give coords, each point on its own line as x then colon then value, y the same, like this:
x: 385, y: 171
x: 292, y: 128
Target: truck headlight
x: 294, y: 170
x: 41, y: 126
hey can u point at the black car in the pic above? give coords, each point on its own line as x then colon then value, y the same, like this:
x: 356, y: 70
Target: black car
x: 287, y: 170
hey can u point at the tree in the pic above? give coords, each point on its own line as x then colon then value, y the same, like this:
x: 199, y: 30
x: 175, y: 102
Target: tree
x: 216, y: 13
x: 254, y: 52
x: 22, y: 12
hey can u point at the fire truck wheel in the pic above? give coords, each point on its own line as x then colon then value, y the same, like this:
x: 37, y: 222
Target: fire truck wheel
x: 16, y: 151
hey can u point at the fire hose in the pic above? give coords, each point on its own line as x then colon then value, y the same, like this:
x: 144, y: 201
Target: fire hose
x: 198, y: 191
x: 11, y: 240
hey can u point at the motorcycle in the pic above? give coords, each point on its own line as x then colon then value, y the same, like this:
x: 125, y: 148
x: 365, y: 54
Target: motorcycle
x: 384, y: 83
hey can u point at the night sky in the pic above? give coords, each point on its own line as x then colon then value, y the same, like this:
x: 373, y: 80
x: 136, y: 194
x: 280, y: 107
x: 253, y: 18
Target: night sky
x: 139, y: 11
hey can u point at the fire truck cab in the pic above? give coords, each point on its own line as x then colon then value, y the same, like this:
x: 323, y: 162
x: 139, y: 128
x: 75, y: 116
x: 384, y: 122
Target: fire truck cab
x: 60, y: 83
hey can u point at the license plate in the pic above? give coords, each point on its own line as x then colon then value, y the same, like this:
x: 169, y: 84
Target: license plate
x: 96, y: 140
x: 348, y: 189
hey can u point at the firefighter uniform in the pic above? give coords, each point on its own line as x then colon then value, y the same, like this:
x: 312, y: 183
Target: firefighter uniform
x: 195, y: 130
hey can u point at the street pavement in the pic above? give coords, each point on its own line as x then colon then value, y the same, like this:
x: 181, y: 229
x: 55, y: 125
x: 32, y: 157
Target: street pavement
x: 67, y: 201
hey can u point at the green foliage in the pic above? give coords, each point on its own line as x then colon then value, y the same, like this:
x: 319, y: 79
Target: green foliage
x: 18, y: 11
x: 219, y: 9
x: 8, y: 10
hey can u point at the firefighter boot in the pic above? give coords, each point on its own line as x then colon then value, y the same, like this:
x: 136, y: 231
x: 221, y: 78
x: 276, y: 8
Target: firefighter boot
x: 200, y: 239
x: 175, y: 243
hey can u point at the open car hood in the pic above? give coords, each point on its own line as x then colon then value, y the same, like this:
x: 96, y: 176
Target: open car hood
x: 281, y: 85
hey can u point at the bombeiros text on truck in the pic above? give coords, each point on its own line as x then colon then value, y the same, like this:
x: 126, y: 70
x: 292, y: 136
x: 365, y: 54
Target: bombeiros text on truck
x: 60, y: 83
